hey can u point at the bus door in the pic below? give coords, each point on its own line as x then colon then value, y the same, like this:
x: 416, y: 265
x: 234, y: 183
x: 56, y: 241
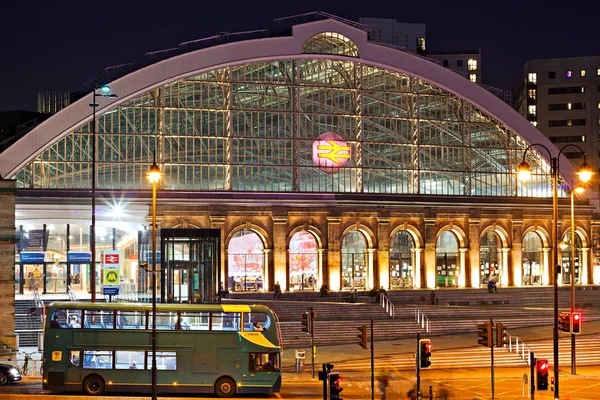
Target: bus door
x: 74, y: 366
x: 179, y: 282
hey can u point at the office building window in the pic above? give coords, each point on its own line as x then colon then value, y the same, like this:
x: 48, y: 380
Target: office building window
x: 445, y: 63
x: 598, y: 71
x: 534, y: 123
x: 473, y: 77
x: 569, y: 73
x: 567, y: 90
x: 566, y: 106
x: 459, y: 63
x: 598, y: 105
x: 532, y: 94
x: 551, y: 75
x: 532, y: 77
x: 582, y: 73
x: 532, y: 109
x: 472, y: 65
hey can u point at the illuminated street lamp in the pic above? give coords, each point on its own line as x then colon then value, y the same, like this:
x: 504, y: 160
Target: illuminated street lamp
x: 154, y: 176
x: 585, y: 174
x: 105, y: 91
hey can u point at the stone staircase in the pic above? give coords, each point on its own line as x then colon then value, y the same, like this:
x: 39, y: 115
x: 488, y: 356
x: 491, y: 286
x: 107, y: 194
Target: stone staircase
x: 28, y: 323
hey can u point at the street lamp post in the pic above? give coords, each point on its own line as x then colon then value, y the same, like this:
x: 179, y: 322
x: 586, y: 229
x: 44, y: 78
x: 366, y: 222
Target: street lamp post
x: 585, y: 173
x: 105, y: 91
x: 574, y: 189
x: 154, y: 176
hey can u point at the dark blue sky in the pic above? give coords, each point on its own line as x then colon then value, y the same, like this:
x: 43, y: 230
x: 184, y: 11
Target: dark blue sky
x: 59, y: 45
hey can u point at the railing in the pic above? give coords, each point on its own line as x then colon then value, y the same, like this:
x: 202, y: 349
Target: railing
x: 386, y: 304
x: 518, y: 346
x: 422, y: 319
x: 72, y: 295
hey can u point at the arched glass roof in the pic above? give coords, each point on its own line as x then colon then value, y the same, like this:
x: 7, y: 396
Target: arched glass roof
x: 321, y: 124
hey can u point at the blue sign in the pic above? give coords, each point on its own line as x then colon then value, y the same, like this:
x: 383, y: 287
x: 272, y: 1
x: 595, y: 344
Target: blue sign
x: 32, y: 257
x: 82, y: 257
x: 110, y: 291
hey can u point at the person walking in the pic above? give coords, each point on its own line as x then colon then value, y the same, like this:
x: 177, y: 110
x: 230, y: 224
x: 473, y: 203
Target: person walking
x: 383, y: 382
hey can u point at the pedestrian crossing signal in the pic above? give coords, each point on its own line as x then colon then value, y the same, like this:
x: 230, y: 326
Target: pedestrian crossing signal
x: 542, y: 374
x: 485, y: 334
x: 424, y: 353
x: 363, y: 336
x: 576, y: 323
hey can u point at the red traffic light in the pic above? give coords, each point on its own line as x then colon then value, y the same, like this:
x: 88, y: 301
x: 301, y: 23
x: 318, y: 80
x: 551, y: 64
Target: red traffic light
x: 576, y: 317
x: 576, y: 321
x: 542, y: 366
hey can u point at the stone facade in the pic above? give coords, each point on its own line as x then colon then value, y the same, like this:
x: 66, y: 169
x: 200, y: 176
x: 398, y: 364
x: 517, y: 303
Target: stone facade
x: 7, y: 263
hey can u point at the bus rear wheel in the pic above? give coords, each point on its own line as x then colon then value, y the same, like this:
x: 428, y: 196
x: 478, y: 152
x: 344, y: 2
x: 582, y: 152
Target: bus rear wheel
x: 93, y: 385
x: 225, y: 387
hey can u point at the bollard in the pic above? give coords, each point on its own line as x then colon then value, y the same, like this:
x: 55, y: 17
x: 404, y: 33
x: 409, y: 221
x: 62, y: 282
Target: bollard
x: 300, y: 361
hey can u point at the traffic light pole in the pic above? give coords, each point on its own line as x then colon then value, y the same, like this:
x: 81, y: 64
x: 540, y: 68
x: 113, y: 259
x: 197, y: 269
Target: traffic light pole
x: 532, y: 372
x: 418, y: 394
x: 372, y: 363
x: 492, y: 355
x: 312, y: 340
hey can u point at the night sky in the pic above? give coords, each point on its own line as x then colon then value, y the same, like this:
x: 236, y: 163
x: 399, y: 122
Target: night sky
x: 60, y: 45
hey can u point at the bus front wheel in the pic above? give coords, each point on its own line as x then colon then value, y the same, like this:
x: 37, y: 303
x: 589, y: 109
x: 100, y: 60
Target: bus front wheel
x: 93, y: 385
x: 225, y: 387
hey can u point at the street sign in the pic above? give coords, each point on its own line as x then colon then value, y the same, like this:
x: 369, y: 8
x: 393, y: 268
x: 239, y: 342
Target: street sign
x: 112, y: 271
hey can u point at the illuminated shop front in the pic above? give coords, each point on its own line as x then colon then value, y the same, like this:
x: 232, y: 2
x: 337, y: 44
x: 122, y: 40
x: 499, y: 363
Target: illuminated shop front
x: 322, y: 158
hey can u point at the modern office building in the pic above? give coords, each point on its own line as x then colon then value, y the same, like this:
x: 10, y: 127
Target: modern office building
x: 561, y: 97
x: 320, y: 157
x: 412, y: 37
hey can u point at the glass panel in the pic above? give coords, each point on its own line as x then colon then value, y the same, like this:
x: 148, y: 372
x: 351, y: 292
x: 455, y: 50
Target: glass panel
x: 97, y: 359
x: 447, y: 260
x: 98, y: 319
x: 129, y: 359
x: 131, y: 319
x: 195, y: 320
x: 165, y: 360
x: 303, y: 261
x: 532, y: 258
x: 226, y: 321
x: 401, y: 261
x: 490, y: 257
x: 246, y: 261
x: 354, y: 261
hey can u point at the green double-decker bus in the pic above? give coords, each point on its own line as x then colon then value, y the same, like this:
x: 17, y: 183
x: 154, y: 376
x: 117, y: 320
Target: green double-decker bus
x: 201, y: 348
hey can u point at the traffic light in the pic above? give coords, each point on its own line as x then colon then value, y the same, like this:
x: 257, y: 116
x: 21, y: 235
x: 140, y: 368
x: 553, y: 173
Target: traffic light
x: 424, y: 353
x: 501, y: 335
x: 576, y: 323
x: 542, y: 374
x: 305, y: 322
x: 334, y: 386
x: 363, y: 336
x: 485, y: 334
x: 564, y: 322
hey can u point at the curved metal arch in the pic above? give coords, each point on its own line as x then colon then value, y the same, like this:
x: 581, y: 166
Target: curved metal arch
x: 412, y: 231
x: 500, y: 231
x: 542, y: 233
x: 579, y: 231
x: 458, y: 232
x: 316, y: 232
x: 262, y: 234
x: 366, y: 232
x: 259, y: 50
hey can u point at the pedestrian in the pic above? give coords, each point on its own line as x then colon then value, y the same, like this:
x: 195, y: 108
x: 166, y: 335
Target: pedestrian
x: 74, y: 323
x: 277, y: 290
x: 383, y: 382
x: 492, y: 286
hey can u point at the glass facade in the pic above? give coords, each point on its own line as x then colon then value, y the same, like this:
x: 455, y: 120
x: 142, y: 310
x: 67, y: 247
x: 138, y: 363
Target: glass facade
x: 256, y: 127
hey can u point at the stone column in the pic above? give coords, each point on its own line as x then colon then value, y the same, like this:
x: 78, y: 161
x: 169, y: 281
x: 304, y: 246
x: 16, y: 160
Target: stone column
x: 474, y: 260
x: 383, y: 253
x: 333, y: 276
x: 515, y: 269
x: 218, y: 222
x: 505, y: 277
x: 462, y: 275
x: 371, y: 264
x: 7, y: 263
x: 547, y: 267
x: 280, y: 269
x: 418, y: 267
x: 429, y: 275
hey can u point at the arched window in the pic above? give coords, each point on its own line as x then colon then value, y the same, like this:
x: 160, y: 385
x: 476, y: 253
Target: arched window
x: 330, y: 43
x: 490, y: 258
x: 447, y: 265
x: 303, y: 261
x: 354, y: 261
x: 246, y: 261
x: 402, y: 261
x: 532, y: 259
x: 566, y: 259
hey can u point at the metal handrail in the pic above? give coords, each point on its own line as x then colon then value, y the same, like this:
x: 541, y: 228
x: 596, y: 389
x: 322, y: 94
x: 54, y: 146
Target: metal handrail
x: 520, y: 347
x: 387, y: 304
x: 422, y: 319
x: 72, y: 295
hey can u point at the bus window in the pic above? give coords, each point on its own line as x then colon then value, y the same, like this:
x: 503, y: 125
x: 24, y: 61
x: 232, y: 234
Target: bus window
x: 257, y: 318
x: 129, y: 359
x: 164, y: 320
x: 194, y: 320
x: 74, y: 357
x: 73, y: 319
x: 227, y: 321
x: 263, y: 362
x: 98, y: 319
x: 131, y: 320
x: 97, y: 359
x: 165, y: 360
